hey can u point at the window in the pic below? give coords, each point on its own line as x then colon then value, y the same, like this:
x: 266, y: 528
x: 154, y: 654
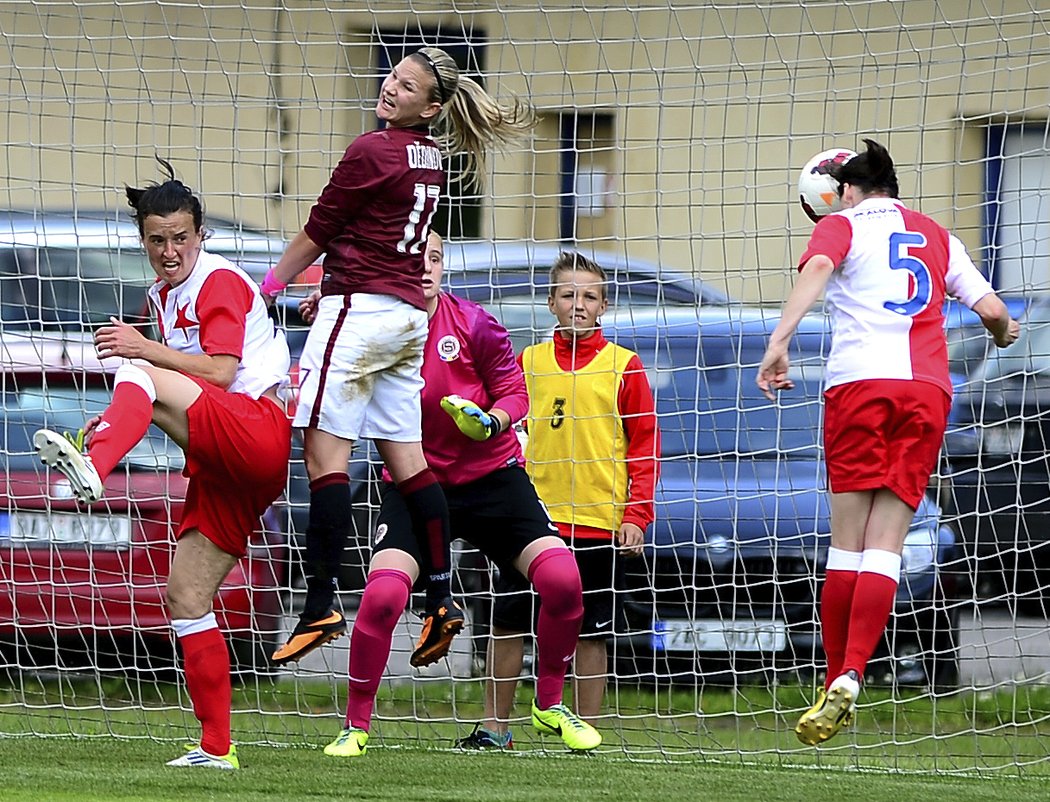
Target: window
x: 1018, y: 207
x: 459, y: 212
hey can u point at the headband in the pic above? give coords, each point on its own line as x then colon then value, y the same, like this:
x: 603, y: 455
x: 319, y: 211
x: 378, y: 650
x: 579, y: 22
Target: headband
x: 437, y: 75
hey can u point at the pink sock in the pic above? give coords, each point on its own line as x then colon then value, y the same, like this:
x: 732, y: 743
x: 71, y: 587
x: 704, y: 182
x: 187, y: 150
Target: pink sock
x: 385, y: 598
x: 207, y: 666
x: 123, y: 424
x: 836, y: 600
x: 873, y: 602
x: 556, y: 578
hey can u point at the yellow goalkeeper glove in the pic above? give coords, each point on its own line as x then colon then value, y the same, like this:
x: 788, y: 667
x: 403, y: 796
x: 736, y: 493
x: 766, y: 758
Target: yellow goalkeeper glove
x: 474, y: 422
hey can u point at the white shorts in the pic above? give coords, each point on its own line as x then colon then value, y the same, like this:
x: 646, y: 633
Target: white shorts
x: 359, y: 374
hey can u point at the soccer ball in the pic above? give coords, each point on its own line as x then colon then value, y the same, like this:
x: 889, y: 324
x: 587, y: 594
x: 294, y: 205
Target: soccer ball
x: 817, y: 188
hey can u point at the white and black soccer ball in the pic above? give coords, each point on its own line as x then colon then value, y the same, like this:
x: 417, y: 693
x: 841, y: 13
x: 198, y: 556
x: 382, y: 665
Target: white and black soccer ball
x: 817, y: 187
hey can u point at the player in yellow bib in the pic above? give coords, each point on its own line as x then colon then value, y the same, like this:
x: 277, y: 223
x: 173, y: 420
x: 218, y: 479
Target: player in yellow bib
x: 592, y: 450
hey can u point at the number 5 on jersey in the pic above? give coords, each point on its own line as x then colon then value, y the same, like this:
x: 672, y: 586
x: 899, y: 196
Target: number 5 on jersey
x: 901, y: 258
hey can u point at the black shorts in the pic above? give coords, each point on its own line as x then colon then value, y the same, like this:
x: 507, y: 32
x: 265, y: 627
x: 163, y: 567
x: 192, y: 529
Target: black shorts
x: 601, y: 572
x: 499, y: 514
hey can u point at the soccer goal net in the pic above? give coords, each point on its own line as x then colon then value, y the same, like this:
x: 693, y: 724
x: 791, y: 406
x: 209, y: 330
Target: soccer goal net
x: 668, y: 145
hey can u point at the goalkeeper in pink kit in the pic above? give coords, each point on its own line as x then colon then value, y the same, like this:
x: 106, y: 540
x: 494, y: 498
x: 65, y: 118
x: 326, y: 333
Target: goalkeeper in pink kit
x: 474, y: 392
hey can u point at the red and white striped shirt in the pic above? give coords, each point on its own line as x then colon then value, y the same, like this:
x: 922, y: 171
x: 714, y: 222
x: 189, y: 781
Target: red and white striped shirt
x: 894, y: 267
x: 218, y: 310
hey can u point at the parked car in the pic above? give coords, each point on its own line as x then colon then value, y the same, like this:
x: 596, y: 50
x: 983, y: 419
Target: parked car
x: 72, y: 271
x: 729, y: 577
x: 510, y: 279
x: 729, y: 585
x: 998, y: 474
x: 84, y: 588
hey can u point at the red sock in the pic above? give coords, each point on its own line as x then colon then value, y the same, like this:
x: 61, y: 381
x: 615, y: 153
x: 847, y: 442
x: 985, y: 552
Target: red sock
x: 123, y: 424
x: 384, y: 599
x: 556, y: 578
x: 873, y: 602
x: 207, y: 666
x: 836, y: 600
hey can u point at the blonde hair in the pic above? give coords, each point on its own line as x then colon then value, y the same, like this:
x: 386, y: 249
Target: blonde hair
x: 568, y: 261
x: 471, y: 121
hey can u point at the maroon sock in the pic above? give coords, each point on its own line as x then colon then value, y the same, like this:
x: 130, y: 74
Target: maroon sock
x: 836, y: 600
x: 123, y: 424
x: 429, y: 511
x: 207, y: 666
x: 873, y: 602
x: 384, y: 599
x: 556, y: 578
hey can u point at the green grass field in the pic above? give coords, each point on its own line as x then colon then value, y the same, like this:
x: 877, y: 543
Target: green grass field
x: 104, y: 769
x: 77, y: 739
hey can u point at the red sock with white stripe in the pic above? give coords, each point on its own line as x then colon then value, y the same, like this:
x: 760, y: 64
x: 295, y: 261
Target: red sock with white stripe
x: 207, y: 665
x: 125, y: 421
x: 873, y: 601
x: 384, y: 599
x: 836, y: 601
x: 556, y: 577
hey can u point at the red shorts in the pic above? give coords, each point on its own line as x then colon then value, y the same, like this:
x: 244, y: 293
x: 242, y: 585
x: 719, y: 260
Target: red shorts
x: 884, y: 433
x: 237, y: 462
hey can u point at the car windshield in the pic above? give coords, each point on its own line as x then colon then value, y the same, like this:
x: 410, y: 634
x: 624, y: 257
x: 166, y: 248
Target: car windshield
x: 707, y: 401
x: 517, y: 299
x: 967, y: 346
x: 72, y: 289
x: 29, y: 405
x: 701, y: 366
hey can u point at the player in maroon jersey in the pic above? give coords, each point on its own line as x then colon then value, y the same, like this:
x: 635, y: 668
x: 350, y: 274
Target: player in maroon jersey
x: 360, y: 368
x: 474, y: 392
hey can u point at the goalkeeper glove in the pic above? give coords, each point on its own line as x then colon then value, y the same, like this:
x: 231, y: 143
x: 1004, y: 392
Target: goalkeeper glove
x: 470, y: 418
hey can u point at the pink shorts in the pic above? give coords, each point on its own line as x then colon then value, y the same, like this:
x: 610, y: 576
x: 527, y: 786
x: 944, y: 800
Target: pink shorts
x: 237, y: 463
x: 884, y: 433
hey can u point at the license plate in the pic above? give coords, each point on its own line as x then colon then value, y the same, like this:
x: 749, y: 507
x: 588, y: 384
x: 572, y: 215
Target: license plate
x: 64, y: 529
x: 713, y: 635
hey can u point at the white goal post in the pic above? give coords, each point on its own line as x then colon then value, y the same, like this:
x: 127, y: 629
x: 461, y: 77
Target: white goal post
x: 670, y: 135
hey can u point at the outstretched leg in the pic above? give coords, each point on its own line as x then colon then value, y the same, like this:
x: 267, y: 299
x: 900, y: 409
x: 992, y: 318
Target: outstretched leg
x: 555, y: 575
x: 428, y: 509
x: 141, y: 395
x: 878, y: 521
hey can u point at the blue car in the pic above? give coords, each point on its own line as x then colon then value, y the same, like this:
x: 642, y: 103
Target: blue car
x: 729, y: 581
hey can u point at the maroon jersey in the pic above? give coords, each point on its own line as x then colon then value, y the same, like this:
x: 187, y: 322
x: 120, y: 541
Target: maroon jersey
x: 373, y: 217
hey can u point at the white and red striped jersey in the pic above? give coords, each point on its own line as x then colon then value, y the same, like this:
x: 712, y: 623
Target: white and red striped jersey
x: 219, y: 310
x: 886, y: 296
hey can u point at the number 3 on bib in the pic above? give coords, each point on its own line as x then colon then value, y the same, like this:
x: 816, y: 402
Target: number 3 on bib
x: 902, y: 259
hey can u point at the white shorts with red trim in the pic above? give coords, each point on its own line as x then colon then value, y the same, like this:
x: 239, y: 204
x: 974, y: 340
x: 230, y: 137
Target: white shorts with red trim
x: 359, y: 374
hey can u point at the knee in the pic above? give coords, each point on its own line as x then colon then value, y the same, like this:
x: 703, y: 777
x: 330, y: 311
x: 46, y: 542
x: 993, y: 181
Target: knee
x: 140, y: 376
x: 183, y: 604
x: 556, y: 577
x: 385, y: 597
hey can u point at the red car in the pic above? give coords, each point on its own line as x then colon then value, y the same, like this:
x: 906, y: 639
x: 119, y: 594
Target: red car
x: 84, y: 588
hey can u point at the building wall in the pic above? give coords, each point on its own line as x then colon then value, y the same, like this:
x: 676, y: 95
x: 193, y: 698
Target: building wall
x: 713, y: 109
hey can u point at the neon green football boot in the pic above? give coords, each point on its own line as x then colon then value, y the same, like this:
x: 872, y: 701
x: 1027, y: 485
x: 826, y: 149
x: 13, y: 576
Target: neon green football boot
x: 576, y: 733
x: 349, y: 743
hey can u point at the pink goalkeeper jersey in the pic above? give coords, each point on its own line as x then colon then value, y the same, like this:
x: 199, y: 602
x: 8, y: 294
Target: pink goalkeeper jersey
x: 886, y: 296
x: 469, y: 354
